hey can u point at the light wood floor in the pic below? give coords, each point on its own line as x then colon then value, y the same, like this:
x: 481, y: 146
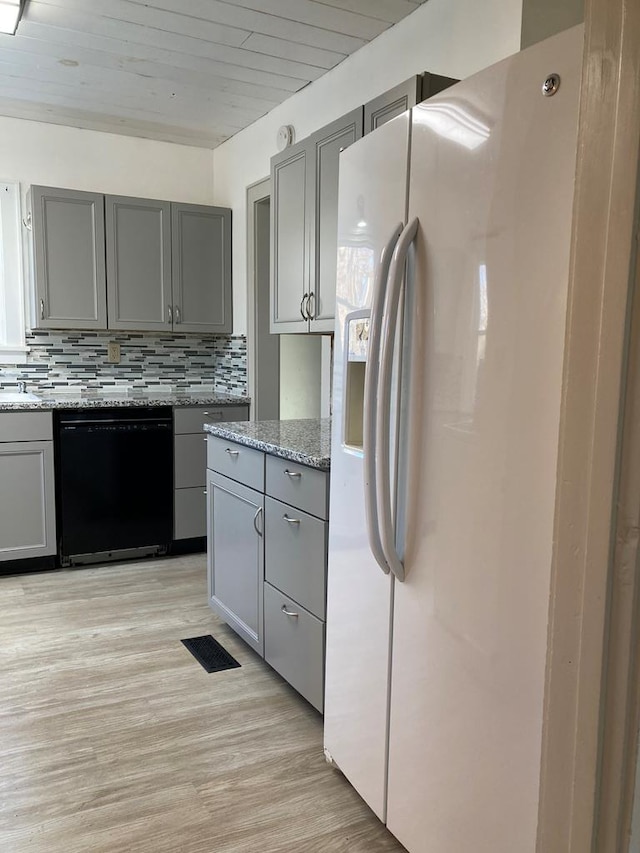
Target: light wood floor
x: 113, y: 738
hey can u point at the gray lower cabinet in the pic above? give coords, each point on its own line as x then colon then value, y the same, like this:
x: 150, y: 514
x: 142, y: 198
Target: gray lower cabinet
x: 235, y: 556
x: 201, y: 268
x: 138, y: 263
x: 294, y: 642
x: 304, y: 216
x: 190, y: 463
x: 27, y: 494
x: 69, y: 259
x: 267, y: 547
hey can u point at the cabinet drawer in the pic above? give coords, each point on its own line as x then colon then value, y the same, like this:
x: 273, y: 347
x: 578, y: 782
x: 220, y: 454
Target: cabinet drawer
x: 191, y: 418
x: 294, y: 645
x: 190, y: 461
x: 243, y: 464
x: 26, y: 426
x: 295, y: 554
x: 190, y: 518
x: 298, y: 485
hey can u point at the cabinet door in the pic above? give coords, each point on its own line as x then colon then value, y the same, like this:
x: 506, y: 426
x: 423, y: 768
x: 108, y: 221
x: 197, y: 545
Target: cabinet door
x: 68, y: 244
x: 323, y: 160
x: 289, y: 240
x: 139, y: 263
x: 235, y: 556
x: 201, y: 265
x: 392, y: 103
x: 27, y: 500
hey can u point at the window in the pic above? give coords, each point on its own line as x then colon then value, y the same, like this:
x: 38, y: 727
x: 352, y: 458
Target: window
x: 12, y: 343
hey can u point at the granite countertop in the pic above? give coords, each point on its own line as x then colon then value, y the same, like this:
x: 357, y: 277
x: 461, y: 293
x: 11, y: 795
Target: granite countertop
x: 95, y: 400
x: 305, y: 441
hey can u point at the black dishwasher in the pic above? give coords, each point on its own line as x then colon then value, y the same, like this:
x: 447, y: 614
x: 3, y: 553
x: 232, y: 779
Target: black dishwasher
x: 115, y: 483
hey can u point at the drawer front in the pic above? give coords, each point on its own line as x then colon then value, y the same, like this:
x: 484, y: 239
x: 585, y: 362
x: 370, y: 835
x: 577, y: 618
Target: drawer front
x: 190, y: 519
x: 190, y: 461
x: 298, y: 485
x: 295, y: 554
x: 191, y: 418
x: 294, y: 645
x: 243, y: 464
x: 26, y: 426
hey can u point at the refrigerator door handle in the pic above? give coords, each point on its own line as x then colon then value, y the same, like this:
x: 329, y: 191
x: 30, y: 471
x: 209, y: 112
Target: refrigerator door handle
x: 384, y: 408
x: 370, y: 400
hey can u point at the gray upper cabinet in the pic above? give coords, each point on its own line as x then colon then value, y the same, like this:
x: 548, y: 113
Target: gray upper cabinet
x: 68, y: 245
x: 139, y: 263
x: 323, y: 171
x: 402, y: 97
x: 201, y: 265
x: 289, y: 240
x: 304, y: 213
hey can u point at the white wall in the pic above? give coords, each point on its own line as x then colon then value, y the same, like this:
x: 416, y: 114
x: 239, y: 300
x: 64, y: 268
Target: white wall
x: 451, y: 37
x: 53, y: 155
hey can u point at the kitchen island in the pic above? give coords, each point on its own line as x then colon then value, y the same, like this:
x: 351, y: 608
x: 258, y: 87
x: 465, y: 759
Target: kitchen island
x: 267, y: 535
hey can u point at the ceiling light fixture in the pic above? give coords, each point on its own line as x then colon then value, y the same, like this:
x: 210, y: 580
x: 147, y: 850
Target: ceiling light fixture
x: 10, y: 14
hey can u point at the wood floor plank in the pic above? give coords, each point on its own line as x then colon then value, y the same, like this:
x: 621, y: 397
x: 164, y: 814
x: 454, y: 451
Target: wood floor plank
x: 113, y: 738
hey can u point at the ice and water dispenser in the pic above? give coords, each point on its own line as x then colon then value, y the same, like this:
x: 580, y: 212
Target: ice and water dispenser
x: 356, y: 363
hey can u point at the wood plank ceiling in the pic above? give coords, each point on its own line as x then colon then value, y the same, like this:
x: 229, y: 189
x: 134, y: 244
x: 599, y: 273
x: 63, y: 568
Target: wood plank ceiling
x: 187, y: 71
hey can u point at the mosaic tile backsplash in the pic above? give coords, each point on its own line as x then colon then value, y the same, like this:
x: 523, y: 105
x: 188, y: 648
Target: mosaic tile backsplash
x: 59, y: 360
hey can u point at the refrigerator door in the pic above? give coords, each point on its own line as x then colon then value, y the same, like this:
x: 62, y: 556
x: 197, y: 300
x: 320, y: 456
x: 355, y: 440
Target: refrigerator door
x: 492, y: 182
x: 372, y: 204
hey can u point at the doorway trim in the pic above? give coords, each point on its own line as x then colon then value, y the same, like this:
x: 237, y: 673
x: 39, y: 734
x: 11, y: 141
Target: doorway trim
x: 256, y: 193
x: 596, y: 345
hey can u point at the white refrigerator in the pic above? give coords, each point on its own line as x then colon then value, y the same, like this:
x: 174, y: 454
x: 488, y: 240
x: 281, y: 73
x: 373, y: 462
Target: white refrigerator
x: 453, y: 261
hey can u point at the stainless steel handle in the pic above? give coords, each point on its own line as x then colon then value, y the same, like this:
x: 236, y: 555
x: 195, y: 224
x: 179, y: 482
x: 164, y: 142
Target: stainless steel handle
x: 170, y: 313
x: 177, y: 314
x: 231, y: 452
x: 42, y: 309
x: 216, y: 415
x: 311, y: 312
x: 255, y: 521
x: 291, y: 613
x: 205, y: 492
x: 304, y: 316
x: 291, y: 520
x: 370, y: 401
x: 383, y: 425
x: 293, y: 474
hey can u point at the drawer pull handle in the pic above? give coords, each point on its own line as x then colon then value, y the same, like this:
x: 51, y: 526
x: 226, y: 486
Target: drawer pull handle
x: 204, y: 492
x: 231, y: 452
x: 291, y: 520
x: 216, y: 415
x: 255, y: 521
x: 294, y: 474
x: 291, y: 613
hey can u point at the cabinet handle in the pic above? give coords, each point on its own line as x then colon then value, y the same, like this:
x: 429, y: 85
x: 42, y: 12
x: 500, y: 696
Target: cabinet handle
x: 304, y: 316
x: 291, y: 520
x: 293, y: 474
x: 216, y: 415
x: 231, y: 452
x: 311, y: 312
x: 291, y: 613
x: 177, y: 314
x: 204, y: 492
x: 170, y: 313
x: 42, y: 309
x: 255, y: 521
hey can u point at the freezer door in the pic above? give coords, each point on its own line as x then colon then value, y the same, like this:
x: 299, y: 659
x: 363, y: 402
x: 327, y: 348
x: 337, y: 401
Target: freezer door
x: 492, y: 180
x: 372, y: 204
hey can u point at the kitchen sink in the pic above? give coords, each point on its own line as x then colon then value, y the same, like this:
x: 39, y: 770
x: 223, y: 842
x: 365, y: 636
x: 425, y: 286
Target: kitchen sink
x: 18, y: 397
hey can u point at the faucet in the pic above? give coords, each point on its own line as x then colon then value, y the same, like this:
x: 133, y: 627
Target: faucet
x: 22, y: 387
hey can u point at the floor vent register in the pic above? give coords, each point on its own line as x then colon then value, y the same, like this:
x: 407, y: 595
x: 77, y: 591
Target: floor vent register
x: 210, y: 654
